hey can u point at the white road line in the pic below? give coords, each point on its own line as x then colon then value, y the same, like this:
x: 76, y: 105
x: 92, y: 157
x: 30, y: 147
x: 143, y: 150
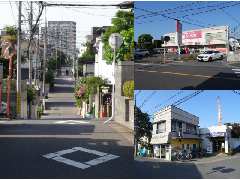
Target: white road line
x: 101, y: 159
x: 72, y: 122
x: 104, y: 157
x: 236, y: 69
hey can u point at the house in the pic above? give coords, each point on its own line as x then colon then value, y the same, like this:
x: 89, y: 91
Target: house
x: 174, y: 130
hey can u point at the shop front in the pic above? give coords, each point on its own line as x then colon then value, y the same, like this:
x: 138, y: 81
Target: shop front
x: 178, y: 145
x: 217, y: 139
x: 161, y: 146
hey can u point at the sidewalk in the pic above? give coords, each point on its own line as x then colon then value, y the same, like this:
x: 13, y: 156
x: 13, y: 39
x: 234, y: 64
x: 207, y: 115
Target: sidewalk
x: 126, y: 132
x: 202, y: 160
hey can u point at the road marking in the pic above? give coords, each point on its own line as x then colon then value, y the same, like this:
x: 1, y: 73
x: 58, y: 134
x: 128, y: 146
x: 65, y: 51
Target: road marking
x: 72, y: 122
x: 104, y: 157
x: 187, y: 74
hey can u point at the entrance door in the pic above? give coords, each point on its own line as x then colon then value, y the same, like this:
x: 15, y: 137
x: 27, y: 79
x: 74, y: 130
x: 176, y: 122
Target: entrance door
x: 167, y: 152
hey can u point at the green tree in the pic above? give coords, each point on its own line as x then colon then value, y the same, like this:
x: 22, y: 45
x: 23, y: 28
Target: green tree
x: 11, y: 33
x: 31, y: 95
x: 123, y: 24
x: 157, y: 44
x: 144, y: 126
x: 88, y: 54
x: 145, y: 41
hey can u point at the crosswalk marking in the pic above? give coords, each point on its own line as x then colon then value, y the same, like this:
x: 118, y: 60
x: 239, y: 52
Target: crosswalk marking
x: 236, y: 71
x: 104, y: 157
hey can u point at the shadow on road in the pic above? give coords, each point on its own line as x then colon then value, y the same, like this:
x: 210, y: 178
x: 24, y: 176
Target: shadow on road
x: 223, y: 81
x: 153, y: 169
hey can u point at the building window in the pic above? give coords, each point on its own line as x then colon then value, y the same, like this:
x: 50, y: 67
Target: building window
x: 176, y: 126
x: 161, y: 127
x: 185, y: 146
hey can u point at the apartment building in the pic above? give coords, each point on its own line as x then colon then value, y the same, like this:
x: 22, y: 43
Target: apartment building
x: 62, y: 34
x: 174, y: 130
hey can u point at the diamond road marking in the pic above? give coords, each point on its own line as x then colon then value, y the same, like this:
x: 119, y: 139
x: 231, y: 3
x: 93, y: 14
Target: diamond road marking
x: 72, y: 122
x: 104, y: 157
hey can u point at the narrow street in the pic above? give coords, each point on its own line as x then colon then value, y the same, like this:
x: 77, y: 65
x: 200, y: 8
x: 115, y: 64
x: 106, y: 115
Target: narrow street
x: 60, y: 145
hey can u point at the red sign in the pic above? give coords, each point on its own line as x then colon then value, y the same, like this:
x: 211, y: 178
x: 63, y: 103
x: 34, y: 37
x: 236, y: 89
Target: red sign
x: 192, y: 35
x: 178, y: 27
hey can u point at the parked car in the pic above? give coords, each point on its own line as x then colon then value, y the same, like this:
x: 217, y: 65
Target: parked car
x: 141, y: 52
x: 238, y: 148
x: 3, y: 107
x: 181, y: 52
x: 210, y: 55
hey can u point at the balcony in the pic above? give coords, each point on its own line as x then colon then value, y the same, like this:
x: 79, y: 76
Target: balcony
x: 176, y: 129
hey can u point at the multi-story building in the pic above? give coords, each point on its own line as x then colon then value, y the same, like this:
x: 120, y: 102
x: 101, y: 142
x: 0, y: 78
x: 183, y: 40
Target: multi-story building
x: 62, y: 33
x: 174, y: 130
x: 201, y: 39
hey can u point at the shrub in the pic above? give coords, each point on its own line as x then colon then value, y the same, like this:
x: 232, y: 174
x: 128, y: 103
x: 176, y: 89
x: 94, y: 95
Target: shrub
x: 49, y: 78
x: 128, y: 89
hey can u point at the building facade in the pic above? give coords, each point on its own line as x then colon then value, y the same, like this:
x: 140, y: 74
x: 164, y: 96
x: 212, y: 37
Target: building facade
x: 62, y: 33
x: 201, y: 39
x: 216, y: 138
x: 174, y: 130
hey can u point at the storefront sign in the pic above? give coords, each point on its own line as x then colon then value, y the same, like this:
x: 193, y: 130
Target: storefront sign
x: 178, y: 33
x: 160, y: 138
x: 192, y: 35
x: 215, y: 134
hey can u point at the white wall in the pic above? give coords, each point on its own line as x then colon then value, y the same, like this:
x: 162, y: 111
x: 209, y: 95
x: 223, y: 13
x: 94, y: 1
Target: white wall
x: 235, y: 142
x: 102, y: 68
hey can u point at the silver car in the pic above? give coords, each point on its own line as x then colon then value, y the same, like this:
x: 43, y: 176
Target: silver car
x: 141, y: 52
x: 210, y: 55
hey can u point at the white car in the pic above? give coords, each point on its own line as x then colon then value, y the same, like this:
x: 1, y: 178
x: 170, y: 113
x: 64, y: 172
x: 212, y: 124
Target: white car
x: 141, y: 52
x: 210, y: 55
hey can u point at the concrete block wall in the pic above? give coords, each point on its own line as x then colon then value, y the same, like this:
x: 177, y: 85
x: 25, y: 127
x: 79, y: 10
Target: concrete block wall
x: 234, y: 55
x: 124, y: 107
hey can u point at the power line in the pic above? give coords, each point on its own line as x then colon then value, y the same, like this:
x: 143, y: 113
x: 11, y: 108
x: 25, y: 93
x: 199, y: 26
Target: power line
x: 13, y: 14
x: 166, y: 100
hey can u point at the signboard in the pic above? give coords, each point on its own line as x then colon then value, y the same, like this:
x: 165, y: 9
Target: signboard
x: 19, y: 102
x: 192, y: 35
x: 178, y: 39
x: 115, y: 37
x: 160, y: 138
x: 215, y: 134
x: 209, y: 147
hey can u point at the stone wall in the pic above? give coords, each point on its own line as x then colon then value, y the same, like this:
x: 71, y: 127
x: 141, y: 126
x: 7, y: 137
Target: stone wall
x: 124, y: 107
x: 234, y: 55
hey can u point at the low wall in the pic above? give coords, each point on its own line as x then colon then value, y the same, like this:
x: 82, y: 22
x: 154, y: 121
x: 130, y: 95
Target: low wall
x: 234, y: 55
x: 124, y: 111
x: 235, y: 142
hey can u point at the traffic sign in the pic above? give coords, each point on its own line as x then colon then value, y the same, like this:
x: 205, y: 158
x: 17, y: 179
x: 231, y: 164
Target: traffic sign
x: 166, y: 38
x: 115, y: 40
x: 43, y: 94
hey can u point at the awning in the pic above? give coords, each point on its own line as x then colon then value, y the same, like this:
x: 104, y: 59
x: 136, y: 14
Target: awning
x: 187, y: 138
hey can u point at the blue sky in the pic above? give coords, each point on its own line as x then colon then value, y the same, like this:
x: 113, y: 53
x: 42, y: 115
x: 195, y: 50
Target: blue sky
x: 159, y: 26
x: 203, y: 105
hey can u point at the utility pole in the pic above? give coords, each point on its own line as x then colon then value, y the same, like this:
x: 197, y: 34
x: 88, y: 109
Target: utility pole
x: 135, y: 127
x: 60, y: 53
x: 30, y: 58
x: 56, y: 45
x: 35, y: 71
x: 235, y: 38
x: 19, y: 62
x: 45, y: 56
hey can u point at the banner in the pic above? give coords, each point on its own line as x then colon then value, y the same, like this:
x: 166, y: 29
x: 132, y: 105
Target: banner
x: 192, y: 35
x: 178, y: 33
x: 160, y: 138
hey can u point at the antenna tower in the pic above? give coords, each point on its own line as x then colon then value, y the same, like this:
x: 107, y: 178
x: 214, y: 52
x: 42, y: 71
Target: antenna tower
x: 219, y: 113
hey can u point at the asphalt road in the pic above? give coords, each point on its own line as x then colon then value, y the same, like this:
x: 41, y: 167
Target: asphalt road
x: 62, y: 146
x: 186, y: 75
x: 153, y: 169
